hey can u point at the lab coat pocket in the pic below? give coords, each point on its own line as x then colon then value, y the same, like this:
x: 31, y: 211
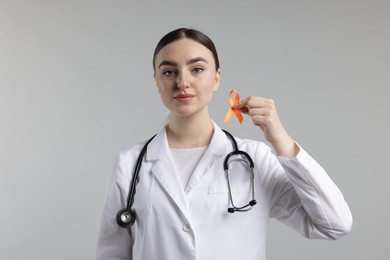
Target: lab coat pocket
x: 241, y: 194
x: 220, y: 188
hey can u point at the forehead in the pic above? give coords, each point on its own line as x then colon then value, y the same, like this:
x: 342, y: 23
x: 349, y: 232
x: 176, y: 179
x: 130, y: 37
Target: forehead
x: 183, y: 50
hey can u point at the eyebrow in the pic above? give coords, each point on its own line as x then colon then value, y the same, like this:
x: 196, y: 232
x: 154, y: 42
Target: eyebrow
x: 191, y: 61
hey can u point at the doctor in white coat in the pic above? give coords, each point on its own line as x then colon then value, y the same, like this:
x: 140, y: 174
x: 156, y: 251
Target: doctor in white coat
x: 182, y: 196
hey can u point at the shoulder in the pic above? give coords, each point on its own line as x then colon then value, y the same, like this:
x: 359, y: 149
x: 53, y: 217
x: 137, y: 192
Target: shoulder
x: 243, y: 143
x: 252, y: 145
x: 261, y: 153
x: 129, y: 155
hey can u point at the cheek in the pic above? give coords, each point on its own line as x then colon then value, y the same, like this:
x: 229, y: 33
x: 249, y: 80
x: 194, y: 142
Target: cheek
x: 162, y: 88
x: 162, y: 93
x: 165, y: 93
x: 208, y: 86
x: 207, y: 91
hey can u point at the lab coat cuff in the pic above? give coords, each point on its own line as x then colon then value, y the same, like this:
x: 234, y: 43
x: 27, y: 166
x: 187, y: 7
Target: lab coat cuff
x: 302, y: 154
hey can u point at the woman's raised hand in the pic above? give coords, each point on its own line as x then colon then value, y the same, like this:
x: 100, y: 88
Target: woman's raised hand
x: 263, y: 114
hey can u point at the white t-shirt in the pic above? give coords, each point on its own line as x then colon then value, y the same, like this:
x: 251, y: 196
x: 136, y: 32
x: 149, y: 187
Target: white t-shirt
x: 186, y: 160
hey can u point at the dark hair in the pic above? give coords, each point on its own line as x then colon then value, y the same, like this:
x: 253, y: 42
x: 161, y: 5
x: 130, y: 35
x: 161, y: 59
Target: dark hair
x: 192, y: 34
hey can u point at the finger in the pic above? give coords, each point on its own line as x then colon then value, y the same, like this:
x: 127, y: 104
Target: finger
x: 243, y: 110
x: 260, y: 102
x: 260, y: 112
x: 254, y: 105
x: 261, y: 120
x: 242, y: 103
x: 246, y: 102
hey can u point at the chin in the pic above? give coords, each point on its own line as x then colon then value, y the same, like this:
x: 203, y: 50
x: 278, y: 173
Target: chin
x: 187, y: 113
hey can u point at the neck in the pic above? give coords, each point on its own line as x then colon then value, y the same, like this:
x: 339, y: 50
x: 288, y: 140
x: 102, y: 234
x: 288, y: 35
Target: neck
x: 189, y: 132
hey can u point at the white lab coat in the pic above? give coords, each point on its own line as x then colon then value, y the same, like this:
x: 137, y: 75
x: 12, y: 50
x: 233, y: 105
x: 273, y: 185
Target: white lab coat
x: 194, y: 224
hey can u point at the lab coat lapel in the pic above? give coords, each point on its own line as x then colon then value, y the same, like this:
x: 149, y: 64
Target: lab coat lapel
x: 217, y: 147
x: 164, y: 170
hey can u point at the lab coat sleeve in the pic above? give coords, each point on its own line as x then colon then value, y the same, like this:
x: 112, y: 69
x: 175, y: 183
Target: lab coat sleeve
x: 308, y: 200
x: 113, y: 242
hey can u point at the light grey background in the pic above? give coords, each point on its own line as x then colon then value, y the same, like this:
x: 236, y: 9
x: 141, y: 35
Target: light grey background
x: 76, y: 87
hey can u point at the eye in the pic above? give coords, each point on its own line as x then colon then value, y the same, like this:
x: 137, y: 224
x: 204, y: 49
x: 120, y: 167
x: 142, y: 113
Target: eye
x: 169, y: 72
x: 198, y: 70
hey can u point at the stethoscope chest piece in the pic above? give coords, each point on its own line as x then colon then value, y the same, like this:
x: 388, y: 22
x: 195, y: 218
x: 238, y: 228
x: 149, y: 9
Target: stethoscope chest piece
x: 125, y: 218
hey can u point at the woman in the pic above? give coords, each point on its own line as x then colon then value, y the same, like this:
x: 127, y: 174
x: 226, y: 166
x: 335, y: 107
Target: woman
x: 183, y: 195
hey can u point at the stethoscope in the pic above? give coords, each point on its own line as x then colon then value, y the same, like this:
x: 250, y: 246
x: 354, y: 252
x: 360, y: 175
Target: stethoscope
x: 125, y: 218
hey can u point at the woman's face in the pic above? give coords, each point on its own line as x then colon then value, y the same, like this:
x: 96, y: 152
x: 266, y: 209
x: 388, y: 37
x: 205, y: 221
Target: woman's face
x: 186, y: 77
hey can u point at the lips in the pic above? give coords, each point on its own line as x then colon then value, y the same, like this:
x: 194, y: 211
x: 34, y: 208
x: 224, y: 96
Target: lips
x: 184, y: 97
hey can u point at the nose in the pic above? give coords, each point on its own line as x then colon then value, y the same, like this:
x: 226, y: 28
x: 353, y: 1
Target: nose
x: 182, y: 80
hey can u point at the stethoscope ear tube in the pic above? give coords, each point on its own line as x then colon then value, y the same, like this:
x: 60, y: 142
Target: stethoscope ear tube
x: 238, y: 152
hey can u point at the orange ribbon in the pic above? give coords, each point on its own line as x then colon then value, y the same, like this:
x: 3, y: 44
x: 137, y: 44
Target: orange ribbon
x: 231, y: 109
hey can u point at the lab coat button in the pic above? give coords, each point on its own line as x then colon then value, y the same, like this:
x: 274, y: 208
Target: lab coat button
x: 186, y: 227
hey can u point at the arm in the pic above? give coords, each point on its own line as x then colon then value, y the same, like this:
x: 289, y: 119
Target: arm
x: 113, y: 243
x: 302, y: 194
x: 308, y: 200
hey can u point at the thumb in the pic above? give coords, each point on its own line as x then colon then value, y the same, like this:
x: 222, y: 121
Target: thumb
x: 240, y: 104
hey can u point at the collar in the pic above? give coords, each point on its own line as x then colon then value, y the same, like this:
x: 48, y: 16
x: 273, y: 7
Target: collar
x: 158, y: 147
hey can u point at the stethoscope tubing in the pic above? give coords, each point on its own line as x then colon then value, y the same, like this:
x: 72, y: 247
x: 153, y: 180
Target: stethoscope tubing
x: 137, y: 169
x: 126, y: 217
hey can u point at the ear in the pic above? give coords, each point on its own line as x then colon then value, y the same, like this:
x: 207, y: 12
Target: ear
x: 217, y: 80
